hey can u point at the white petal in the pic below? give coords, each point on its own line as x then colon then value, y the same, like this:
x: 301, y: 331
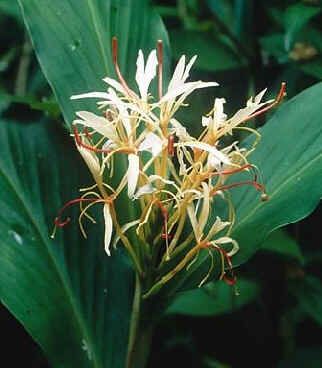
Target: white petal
x: 132, y: 173
x: 193, y: 220
x: 145, y: 75
x: 151, y: 143
x: 179, y: 130
x: 219, y: 115
x: 145, y: 189
x: 259, y: 97
x: 211, y: 149
x: 139, y: 76
x: 108, y: 228
x: 122, y: 108
x: 115, y: 84
x: 98, y: 123
x: 178, y: 73
x: 217, y: 226
x: 185, y: 90
x: 91, y: 161
x: 102, y: 95
x: 188, y: 67
x: 205, y: 121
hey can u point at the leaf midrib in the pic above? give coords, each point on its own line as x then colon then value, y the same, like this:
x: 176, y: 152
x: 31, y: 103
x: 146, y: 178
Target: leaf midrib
x: 65, y: 284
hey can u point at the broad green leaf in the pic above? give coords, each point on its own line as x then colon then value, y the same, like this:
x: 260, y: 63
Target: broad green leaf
x: 281, y: 243
x: 213, y: 54
x: 75, y: 54
x: 73, y: 299
x: 290, y: 159
x: 216, y: 298
x: 72, y: 42
x: 308, y: 292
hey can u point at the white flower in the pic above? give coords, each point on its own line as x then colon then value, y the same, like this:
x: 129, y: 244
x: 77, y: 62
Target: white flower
x: 144, y: 75
x: 152, y: 143
x: 178, y: 87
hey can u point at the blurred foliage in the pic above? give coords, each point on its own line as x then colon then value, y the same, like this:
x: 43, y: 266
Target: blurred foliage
x: 246, y: 46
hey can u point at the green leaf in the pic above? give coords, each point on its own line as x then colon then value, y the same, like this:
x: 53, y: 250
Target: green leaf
x: 11, y: 8
x: 274, y: 45
x: 80, y: 300
x: 308, y: 292
x: 214, y: 299
x: 75, y: 55
x: 72, y: 298
x: 281, y: 243
x: 289, y: 157
x: 213, y: 54
x: 295, y: 18
x: 313, y: 68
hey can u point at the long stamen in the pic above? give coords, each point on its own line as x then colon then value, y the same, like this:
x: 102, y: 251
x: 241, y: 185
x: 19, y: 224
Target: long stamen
x: 80, y: 143
x: 58, y: 222
x: 253, y: 183
x: 160, y: 67
x: 229, y: 280
x: 117, y: 68
x: 229, y: 172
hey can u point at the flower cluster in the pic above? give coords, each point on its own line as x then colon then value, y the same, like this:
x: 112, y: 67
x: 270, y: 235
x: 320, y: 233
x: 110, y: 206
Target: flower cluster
x: 174, y: 177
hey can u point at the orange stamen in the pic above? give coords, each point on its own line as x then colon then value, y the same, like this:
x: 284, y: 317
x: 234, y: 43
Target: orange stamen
x: 117, y: 68
x: 58, y: 222
x: 253, y: 183
x: 171, y: 145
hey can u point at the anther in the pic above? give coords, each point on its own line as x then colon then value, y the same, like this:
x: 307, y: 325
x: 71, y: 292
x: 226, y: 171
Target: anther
x: 171, y: 145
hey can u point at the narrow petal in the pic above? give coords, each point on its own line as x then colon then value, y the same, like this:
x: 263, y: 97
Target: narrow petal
x: 98, y: 123
x: 145, y: 189
x: 152, y: 143
x: 185, y: 90
x: 188, y: 67
x: 178, y: 73
x: 108, y: 228
x: 102, y: 95
x: 132, y: 173
x: 91, y: 161
x: 211, y: 149
x: 115, y: 84
x: 145, y: 75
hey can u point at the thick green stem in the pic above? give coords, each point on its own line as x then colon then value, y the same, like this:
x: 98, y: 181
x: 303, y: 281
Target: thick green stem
x: 140, y: 334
